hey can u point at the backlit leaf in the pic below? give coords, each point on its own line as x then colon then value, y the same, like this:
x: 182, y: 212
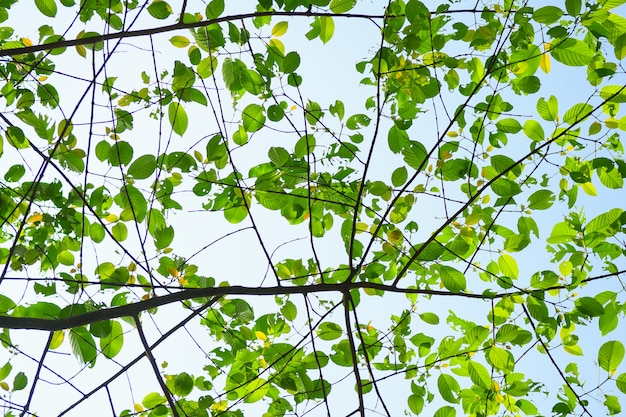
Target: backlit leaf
x: 479, y: 374
x: 178, y: 118
x: 610, y: 355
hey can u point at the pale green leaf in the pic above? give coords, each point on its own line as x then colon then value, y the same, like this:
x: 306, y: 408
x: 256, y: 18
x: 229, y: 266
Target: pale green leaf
x: 610, y: 355
x: 479, y: 374
x: 177, y: 117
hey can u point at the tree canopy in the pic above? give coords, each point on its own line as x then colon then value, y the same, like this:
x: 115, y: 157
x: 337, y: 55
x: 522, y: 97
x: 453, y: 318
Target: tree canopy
x: 312, y: 208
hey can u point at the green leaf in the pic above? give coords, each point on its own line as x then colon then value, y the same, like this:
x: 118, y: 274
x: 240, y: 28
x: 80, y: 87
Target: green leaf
x: 206, y: 67
x: 6, y: 304
x: 620, y: 382
x: 16, y: 138
x: 533, y: 130
x: 327, y: 28
x: 451, y: 278
x: 612, y: 404
x: 399, y: 176
x: 541, y: 200
x: 289, y: 310
x: 449, y: 388
x: 589, y: 306
x: 502, y: 359
x: 415, y: 155
x: 275, y: 113
x: 236, y: 214
x: 357, y: 121
x: 508, y: 266
x: 20, y: 381
x: 214, y: 9
x: 133, y: 202
x: 255, y: 390
x: 153, y: 400
x: 603, y: 221
x: 177, y: 117
x: 291, y: 62
x: 614, y: 93
x: 279, y: 156
x: 547, y: 14
x: 142, y: 167
x: 619, y: 47
x: 181, y: 384
x: 508, y: 125
x: 342, y: 6
x: 112, y: 343
x: 573, y: 7
x: 610, y: 355
x: 561, y: 233
x: 548, y: 110
x: 83, y: 345
x: 66, y: 258
x: 160, y: 9
x: 504, y: 187
x: 430, y: 318
x: 536, y: 307
x: 572, y: 52
x: 479, y: 374
x: 119, y: 232
x: 15, y: 173
x: 47, y: 7
x: 253, y: 117
x: 5, y: 370
x: 163, y: 237
x: 577, y: 113
x: 329, y: 331
x: 96, y: 232
x: 121, y: 153
x: 415, y: 403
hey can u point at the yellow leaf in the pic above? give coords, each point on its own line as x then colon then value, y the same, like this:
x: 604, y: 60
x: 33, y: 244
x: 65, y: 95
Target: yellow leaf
x: 57, y: 339
x: 394, y: 235
x: 111, y: 218
x: 27, y: 42
x: 219, y: 405
x: 589, y: 189
x: 4, y: 386
x: 132, y: 267
x: 80, y: 49
x: 544, y: 63
x: 280, y: 28
x: 611, y: 123
x: 260, y: 335
x: 452, y: 134
x: 43, y: 78
x: 34, y: 218
x: 179, y: 41
x: 172, y: 271
x: 278, y: 45
x: 369, y: 291
x: 138, y: 408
